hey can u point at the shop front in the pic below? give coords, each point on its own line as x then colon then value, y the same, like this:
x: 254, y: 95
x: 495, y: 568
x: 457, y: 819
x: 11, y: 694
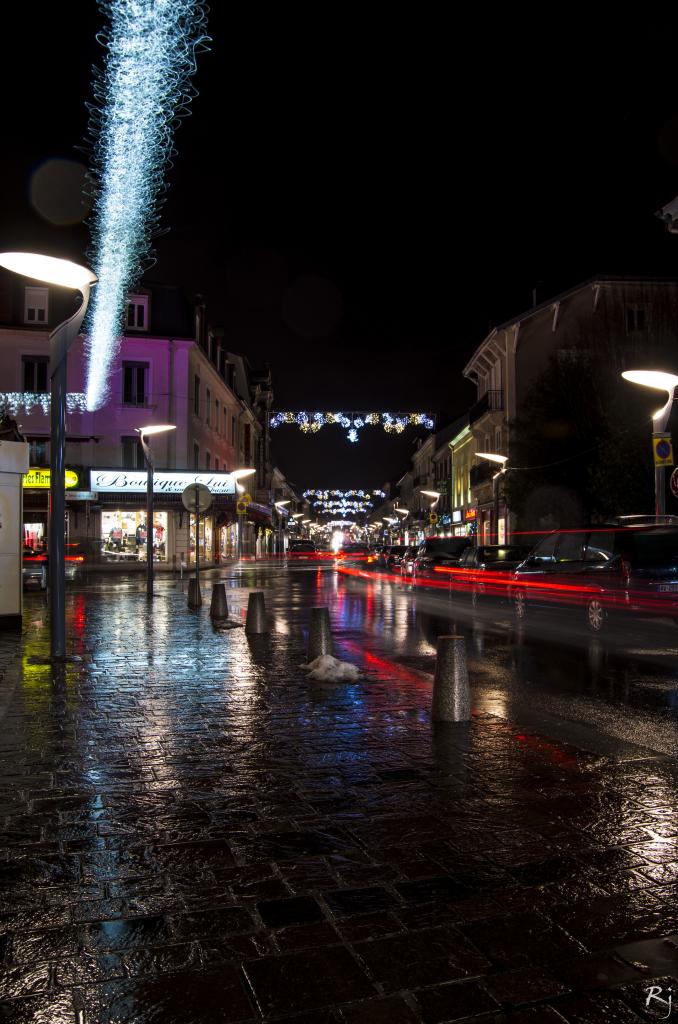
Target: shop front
x: 122, y: 522
x: 35, y: 485
x: 464, y: 522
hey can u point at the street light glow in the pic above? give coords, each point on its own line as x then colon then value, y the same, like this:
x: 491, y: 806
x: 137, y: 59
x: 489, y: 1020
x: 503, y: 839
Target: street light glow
x: 48, y: 269
x: 239, y: 474
x: 160, y: 428
x: 656, y: 379
x: 492, y: 456
x: 429, y: 494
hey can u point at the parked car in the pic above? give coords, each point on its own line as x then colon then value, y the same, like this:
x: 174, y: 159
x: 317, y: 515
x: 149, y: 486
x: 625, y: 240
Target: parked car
x: 486, y: 571
x: 602, y: 570
x: 301, y: 550
x: 437, y: 554
x: 35, y: 563
x: 393, y: 556
x: 356, y: 556
x: 407, y: 563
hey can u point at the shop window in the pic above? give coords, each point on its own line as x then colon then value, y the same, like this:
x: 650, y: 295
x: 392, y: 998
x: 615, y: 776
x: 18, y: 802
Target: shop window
x: 35, y: 373
x: 123, y: 535
x: 132, y: 452
x: 196, y: 395
x: 196, y: 457
x: 36, y: 303
x: 135, y: 383
x: 137, y: 312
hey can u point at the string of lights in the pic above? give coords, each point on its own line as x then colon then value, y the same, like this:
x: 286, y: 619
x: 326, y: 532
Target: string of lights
x: 17, y: 402
x: 143, y: 90
x: 352, y: 422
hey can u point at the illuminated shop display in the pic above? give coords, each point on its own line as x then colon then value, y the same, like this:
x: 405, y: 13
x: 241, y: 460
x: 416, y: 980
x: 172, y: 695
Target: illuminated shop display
x: 123, y: 535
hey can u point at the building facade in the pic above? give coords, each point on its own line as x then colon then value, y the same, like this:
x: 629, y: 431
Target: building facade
x: 171, y: 368
x: 629, y: 320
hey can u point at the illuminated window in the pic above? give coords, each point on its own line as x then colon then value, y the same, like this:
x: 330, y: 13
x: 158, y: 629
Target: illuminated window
x: 36, y: 302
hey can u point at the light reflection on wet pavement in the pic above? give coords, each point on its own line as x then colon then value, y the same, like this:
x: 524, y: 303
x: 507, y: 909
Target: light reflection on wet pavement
x: 195, y: 832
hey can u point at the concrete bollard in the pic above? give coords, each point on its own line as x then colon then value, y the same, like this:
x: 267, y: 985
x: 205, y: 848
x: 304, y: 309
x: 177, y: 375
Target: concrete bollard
x: 320, y: 634
x: 194, y: 595
x: 218, y: 604
x: 451, y: 696
x: 256, y: 613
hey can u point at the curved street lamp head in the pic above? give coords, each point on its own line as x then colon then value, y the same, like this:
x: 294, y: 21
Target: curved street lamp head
x: 160, y: 428
x: 658, y: 380
x: 48, y: 269
x: 238, y: 474
x: 281, y: 504
x: 493, y: 457
x: 430, y: 494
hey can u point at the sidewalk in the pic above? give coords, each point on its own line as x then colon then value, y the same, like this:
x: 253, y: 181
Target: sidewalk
x: 194, y: 832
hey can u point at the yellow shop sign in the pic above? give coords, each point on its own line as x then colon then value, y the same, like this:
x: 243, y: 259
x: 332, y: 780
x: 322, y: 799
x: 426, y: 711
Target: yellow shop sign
x: 41, y: 478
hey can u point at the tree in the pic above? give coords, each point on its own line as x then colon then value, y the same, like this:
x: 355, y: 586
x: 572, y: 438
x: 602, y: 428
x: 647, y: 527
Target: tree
x: 580, y: 450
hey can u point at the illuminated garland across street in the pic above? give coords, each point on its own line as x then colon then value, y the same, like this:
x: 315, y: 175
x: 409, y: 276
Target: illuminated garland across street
x: 352, y: 422
x: 343, y: 503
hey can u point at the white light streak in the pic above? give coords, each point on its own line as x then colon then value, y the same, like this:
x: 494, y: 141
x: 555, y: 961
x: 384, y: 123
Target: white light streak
x: 143, y: 89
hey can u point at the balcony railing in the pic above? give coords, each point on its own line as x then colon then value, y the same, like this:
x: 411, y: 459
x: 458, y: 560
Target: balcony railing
x: 491, y: 401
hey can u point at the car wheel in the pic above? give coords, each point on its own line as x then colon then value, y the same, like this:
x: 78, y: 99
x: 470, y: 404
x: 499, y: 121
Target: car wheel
x: 595, y: 615
x: 520, y: 605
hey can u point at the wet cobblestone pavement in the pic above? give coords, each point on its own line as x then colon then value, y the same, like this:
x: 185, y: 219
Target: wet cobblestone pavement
x: 193, y: 831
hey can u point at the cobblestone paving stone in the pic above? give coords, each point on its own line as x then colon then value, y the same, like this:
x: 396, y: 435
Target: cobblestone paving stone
x: 194, y: 832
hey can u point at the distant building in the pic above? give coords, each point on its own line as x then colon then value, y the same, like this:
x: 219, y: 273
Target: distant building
x: 630, y: 320
x: 171, y: 368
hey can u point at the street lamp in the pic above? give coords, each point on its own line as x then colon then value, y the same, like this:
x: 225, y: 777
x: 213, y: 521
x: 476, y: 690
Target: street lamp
x: 659, y: 381
x: 280, y: 506
x: 143, y: 433
x: 66, y: 275
x: 501, y: 460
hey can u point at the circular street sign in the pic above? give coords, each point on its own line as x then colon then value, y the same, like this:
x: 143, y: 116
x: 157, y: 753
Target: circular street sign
x: 674, y: 483
x: 433, y: 518
x: 246, y: 498
x: 663, y: 449
x: 241, y: 508
x: 196, y: 498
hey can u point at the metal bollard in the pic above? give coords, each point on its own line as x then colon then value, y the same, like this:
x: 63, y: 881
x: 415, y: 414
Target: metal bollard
x: 194, y: 595
x: 320, y: 634
x: 451, y: 695
x: 218, y: 604
x: 256, y: 613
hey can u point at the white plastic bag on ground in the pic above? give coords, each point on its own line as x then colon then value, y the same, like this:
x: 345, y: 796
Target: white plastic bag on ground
x: 327, y: 669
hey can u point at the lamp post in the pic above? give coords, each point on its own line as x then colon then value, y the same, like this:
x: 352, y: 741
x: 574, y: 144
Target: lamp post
x: 659, y: 381
x: 501, y: 460
x: 66, y: 275
x: 280, y: 506
x: 143, y: 433
x: 240, y: 474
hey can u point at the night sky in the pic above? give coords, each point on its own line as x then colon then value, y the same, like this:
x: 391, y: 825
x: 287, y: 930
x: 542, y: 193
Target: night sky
x: 360, y: 195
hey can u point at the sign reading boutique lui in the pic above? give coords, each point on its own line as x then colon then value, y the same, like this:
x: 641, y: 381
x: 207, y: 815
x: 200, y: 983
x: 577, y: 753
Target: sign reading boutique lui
x: 132, y: 481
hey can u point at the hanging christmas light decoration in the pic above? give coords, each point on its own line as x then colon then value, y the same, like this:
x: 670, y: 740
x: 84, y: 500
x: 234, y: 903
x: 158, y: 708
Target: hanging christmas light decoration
x: 28, y: 401
x: 343, y: 503
x: 353, y: 422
